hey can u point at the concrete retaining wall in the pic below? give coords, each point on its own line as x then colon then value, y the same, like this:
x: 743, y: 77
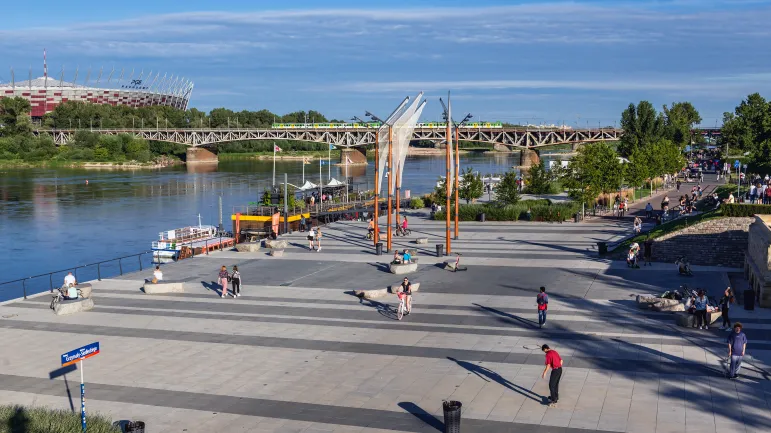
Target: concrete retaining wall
x: 718, y: 242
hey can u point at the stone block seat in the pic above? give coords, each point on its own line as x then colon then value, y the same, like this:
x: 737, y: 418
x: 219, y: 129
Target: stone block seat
x: 248, y: 247
x: 381, y: 293
x: 64, y: 308
x: 85, y: 289
x: 688, y: 320
x: 403, y: 268
x: 421, y: 241
x: 276, y: 252
x: 276, y: 244
x: 163, y: 286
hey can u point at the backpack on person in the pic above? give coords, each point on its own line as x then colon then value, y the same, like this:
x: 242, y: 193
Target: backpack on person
x: 543, y: 301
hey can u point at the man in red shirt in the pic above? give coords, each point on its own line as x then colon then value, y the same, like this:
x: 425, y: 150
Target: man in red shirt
x: 554, y: 362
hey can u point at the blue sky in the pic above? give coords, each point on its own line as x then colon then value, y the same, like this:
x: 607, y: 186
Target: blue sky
x: 576, y: 62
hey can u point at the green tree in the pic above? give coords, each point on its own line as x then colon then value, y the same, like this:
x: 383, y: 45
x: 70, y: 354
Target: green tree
x: 471, y: 186
x: 748, y: 129
x: 681, y: 120
x: 642, y: 126
x: 595, y: 169
x: 507, y: 190
x: 539, y: 180
x: 14, y: 116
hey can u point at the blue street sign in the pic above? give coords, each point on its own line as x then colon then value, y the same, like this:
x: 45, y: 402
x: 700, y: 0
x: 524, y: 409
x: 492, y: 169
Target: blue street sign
x: 736, y: 164
x: 80, y: 354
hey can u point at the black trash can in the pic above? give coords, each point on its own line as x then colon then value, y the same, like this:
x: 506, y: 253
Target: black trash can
x: 749, y: 299
x: 379, y: 248
x: 135, y: 427
x: 577, y: 217
x: 602, y: 248
x: 452, y: 411
x: 481, y: 217
x: 439, y: 250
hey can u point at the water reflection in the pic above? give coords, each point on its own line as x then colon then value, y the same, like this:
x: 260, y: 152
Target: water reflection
x: 53, y: 219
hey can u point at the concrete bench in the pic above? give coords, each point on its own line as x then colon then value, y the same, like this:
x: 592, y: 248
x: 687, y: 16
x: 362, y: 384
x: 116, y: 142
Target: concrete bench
x: 277, y: 244
x: 381, y: 293
x: 403, y: 268
x: 85, y: 289
x: 163, y: 286
x: 421, y: 241
x: 276, y: 252
x: 248, y: 247
x: 64, y: 308
x: 669, y: 305
x: 688, y: 320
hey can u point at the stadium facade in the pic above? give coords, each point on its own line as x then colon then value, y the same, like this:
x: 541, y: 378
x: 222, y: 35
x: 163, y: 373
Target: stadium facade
x: 141, y: 90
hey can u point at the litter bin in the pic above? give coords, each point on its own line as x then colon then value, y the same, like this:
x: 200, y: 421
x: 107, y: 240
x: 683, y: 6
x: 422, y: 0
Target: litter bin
x: 481, y: 217
x: 439, y: 250
x: 577, y: 217
x: 749, y: 299
x: 135, y: 427
x: 602, y: 247
x: 379, y: 249
x: 452, y: 411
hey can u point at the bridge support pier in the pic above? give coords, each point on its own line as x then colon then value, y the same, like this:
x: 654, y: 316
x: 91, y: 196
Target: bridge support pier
x: 353, y: 156
x: 529, y: 158
x: 574, y: 147
x: 198, y: 155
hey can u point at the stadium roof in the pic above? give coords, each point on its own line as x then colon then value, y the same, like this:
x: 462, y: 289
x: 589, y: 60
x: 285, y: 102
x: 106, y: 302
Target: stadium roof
x: 41, y: 82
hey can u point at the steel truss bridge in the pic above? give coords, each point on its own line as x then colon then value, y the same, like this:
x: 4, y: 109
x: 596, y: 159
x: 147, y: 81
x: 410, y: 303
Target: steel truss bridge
x: 512, y: 138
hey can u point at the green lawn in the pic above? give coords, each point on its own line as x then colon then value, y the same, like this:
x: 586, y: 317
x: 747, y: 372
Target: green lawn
x: 666, y: 228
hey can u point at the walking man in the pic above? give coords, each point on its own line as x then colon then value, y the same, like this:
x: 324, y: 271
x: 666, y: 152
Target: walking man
x: 737, y: 344
x: 543, y: 304
x: 648, y: 251
x: 554, y: 362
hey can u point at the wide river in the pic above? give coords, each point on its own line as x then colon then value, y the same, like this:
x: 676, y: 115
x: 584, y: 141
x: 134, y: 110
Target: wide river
x: 55, y: 219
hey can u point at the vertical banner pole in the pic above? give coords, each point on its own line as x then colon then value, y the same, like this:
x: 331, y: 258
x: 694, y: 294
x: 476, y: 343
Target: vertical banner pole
x: 390, y: 186
x: 457, y: 175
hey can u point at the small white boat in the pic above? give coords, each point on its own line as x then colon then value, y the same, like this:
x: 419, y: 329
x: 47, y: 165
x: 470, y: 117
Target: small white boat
x: 170, y: 242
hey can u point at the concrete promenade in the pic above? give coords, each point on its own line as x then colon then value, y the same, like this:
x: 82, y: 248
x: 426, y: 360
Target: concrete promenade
x: 298, y: 353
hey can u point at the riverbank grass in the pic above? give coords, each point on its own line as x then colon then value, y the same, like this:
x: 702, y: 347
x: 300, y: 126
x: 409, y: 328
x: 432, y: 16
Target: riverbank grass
x: 16, y: 419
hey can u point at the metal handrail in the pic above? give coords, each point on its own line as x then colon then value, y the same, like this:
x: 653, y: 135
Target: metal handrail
x: 75, y: 270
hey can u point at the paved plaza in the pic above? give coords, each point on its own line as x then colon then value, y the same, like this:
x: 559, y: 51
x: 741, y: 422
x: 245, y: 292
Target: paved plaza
x: 299, y: 353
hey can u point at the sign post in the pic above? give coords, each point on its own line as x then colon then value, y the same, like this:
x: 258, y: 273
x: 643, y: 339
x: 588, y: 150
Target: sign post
x: 75, y: 356
x: 737, y: 166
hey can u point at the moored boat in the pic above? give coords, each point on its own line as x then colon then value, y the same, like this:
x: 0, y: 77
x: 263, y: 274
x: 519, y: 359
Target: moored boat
x: 171, y: 242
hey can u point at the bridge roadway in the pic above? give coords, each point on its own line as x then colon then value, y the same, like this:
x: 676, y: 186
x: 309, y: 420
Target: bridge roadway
x: 353, y: 137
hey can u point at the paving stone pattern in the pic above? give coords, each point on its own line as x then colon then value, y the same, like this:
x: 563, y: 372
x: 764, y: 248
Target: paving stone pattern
x: 299, y: 353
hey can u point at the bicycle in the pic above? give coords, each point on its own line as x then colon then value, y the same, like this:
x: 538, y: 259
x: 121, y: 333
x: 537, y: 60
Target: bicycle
x: 59, y: 296
x: 402, y: 305
x: 402, y: 232
x: 370, y: 235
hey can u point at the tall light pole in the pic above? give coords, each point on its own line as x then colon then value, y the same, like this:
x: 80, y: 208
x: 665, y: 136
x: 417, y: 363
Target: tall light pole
x: 448, y: 153
x: 457, y: 167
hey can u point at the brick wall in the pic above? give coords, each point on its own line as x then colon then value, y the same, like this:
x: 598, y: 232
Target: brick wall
x: 717, y: 242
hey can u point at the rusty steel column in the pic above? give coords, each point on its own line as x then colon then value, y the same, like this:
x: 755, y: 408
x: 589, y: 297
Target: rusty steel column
x: 457, y: 174
x: 448, y: 147
x: 390, y: 186
x: 376, y: 236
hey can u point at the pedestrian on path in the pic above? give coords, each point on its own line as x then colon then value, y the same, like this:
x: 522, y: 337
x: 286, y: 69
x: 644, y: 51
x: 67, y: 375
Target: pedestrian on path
x: 648, y: 211
x: 235, y: 279
x: 700, y: 303
x: 637, y: 225
x: 647, y: 251
x: 222, y: 278
x: 318, y: 238
x: 725, y: 305
x: 311, y: 237
x: 542, y: 299
x: 737, y: 345
x: 554, y: 362
x: 678, y: 184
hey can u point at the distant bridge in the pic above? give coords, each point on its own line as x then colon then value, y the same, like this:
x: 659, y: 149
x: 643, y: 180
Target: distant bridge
x: 518, y: 138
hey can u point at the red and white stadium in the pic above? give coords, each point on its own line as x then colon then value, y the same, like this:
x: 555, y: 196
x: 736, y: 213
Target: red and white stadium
x: 113, y: 88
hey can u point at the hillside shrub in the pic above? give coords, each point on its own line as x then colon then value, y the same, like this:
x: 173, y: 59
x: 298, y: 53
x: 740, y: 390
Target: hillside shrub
x: 417, y: 203
x: 745, y: 210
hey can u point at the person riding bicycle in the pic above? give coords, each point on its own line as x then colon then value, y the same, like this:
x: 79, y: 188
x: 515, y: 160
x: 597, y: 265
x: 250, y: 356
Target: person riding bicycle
x: 404, y: 225
x: 405, y: 291
x: 371, y: 227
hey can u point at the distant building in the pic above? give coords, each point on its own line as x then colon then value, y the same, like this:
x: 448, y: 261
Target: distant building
x: 45, y: 93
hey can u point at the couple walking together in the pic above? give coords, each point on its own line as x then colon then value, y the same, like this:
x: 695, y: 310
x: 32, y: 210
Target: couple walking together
x: 223, y: 278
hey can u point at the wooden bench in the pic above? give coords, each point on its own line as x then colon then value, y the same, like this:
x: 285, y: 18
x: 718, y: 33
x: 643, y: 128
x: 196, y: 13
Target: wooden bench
x: 73, y: 306
x: 163, y: 286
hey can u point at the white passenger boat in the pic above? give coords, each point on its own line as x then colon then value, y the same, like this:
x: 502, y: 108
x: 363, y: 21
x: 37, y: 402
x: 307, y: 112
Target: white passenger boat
x: 171, y: 242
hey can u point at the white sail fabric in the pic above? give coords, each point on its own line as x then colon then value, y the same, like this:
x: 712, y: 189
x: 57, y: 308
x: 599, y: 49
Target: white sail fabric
x: 401, y: 139
x: 405, y: 135
x: 382, y: 141
x: 451, y: 177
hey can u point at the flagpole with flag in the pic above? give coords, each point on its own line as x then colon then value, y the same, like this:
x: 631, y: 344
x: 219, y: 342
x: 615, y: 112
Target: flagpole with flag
x: 275, y: 149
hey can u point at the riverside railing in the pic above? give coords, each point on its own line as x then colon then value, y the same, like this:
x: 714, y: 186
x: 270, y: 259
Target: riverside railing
x: 104, y: 269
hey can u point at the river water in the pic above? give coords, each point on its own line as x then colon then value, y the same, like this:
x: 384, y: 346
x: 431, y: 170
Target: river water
x: 52, y: 219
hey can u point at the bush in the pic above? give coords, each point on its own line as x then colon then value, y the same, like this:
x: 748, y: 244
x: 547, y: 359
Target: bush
x: 417, y: 203
x: 540, y: 210
x: 745, y: 210
x: 42, y: 420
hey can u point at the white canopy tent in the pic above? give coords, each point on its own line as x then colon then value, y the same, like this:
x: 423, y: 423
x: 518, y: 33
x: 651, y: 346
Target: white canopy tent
x: 308, y: 185
x: 335, y: 182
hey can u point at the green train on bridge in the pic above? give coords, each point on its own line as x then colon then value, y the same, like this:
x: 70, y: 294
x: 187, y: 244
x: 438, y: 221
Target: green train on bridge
x: 429, y: 125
